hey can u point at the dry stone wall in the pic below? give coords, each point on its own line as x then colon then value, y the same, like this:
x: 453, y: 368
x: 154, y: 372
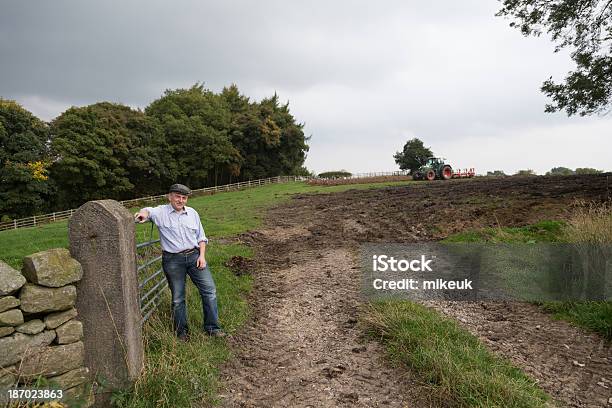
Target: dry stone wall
x: 40, y: 334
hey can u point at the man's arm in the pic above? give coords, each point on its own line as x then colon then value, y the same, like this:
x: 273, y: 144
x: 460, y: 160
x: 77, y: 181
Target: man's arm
x: 147, y: 214
x: 202, y: 241
x: 142, y: 215
x: 201, y: 263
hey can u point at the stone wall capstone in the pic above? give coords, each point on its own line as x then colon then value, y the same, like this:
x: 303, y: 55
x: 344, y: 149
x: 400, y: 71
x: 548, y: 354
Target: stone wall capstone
x: 40, y: 336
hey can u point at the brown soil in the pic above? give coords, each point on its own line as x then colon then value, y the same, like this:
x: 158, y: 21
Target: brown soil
x: 240, y: 265
x: 303, y: 346
x: 361, y: 180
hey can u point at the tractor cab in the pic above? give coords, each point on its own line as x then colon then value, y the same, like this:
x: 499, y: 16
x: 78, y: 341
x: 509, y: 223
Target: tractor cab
x: 434, y: 162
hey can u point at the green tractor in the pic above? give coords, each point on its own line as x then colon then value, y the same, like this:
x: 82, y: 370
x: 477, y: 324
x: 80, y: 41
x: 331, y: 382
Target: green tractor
x: 433, y: 169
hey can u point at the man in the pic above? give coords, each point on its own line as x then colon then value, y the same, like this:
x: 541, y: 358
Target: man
x: 184, y: 247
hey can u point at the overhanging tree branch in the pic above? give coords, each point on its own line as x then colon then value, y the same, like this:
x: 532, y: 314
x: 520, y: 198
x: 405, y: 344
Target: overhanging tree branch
x: 585, y: 27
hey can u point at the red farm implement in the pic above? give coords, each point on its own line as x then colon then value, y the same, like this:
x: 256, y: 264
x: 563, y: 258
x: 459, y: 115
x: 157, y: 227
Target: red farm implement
x: 465, y: 173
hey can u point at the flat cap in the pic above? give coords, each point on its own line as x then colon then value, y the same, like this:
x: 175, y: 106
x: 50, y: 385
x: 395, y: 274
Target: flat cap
x: 179, y: 188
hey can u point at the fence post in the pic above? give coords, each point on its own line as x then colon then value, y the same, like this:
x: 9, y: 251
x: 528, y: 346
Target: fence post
x: 102, y: 239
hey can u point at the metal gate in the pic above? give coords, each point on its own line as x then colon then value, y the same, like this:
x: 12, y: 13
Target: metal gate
x: 151, y: 279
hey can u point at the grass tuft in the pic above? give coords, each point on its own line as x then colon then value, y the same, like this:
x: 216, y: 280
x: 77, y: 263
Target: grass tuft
x: 455, y: 364
x: 590, y: 223
x: 594, y: 316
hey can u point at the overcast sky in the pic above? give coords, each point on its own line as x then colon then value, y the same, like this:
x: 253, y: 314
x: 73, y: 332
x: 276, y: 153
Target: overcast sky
x: 363, y: 76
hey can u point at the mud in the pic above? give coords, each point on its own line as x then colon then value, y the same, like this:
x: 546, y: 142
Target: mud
x: 303, y: 346
x: 240, y: 265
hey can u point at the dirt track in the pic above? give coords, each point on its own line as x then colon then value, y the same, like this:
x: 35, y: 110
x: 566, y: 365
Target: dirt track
x: 304, y: 349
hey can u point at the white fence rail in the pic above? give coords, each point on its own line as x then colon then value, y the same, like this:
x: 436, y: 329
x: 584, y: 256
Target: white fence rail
x: 64, y: 215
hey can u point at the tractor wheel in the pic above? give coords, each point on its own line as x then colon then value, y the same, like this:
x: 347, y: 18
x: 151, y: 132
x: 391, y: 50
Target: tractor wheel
x: 417, y: 176
x: 431, y: 175
x: 447, y: 172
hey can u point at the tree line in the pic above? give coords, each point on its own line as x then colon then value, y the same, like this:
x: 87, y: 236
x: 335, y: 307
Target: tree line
x: 555, y: 171
x: 107, y: 150
x: 414, y: 155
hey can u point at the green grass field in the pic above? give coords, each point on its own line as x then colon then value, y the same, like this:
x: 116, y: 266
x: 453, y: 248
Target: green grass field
x: 223, y: 214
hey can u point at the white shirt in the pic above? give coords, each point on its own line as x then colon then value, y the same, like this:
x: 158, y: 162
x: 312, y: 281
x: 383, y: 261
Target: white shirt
x: 178, y: 231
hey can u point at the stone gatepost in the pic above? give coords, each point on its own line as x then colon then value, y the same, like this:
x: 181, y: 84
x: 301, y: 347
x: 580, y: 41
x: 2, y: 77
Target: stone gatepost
x: 102, y: 239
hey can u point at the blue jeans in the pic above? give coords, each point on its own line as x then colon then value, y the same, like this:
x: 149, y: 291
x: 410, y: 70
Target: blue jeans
x: 176, y: 268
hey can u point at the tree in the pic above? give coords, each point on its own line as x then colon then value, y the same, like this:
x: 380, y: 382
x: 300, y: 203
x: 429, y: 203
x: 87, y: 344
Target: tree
x: 496, y: 173
x: 106, y: 150
x: 584, y: 27
x: 195, y: 122
x: 588, y: 170
x: 24, y: 159
x: 413, y: 156
x: 527, y: 172
x: 268, y: 138
x: 560, y: 171
x: 289, y: 155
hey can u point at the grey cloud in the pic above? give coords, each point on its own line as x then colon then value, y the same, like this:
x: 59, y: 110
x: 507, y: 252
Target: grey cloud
x: 122, y: 50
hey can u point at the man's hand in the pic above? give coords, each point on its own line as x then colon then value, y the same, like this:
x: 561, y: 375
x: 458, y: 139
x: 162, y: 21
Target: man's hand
x: 141, y: 216
x: 201, y: 263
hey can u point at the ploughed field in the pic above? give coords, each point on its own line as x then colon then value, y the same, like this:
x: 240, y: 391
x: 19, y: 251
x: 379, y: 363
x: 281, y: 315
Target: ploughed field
x: 304, y: 345
x: 434, y: 210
